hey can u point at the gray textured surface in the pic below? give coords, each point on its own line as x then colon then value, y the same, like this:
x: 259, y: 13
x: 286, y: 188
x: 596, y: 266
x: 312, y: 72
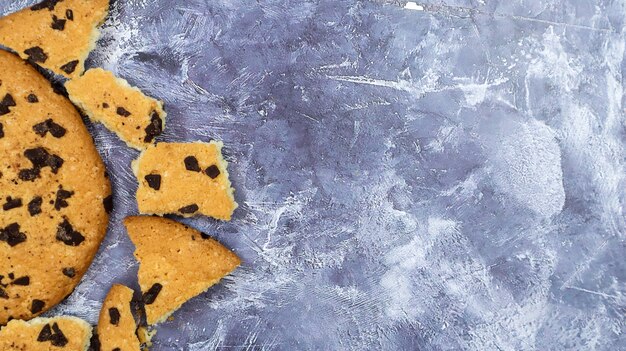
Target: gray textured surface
x: 451, y: 178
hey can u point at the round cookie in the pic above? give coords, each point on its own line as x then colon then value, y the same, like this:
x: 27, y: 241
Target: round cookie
x: 54, y: 193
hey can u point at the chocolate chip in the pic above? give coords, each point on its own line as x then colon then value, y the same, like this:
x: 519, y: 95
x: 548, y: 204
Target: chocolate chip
x: 6, y: 102
x: 69, y: 67
x: 1, y: 131
x: 154, y: 128
x: 57, y: 23
x: 36, y: 54
x: 34, y: 206
x: 117, y: 349
x: 67, y: 234
x: 62, y: 195
x: 191, y: 164
x: 122, y: 112
x: 12, y: 203
x: 212, y: 171
x: 37, y: 306
x: 49, y: 4
x: 3, y: 294
x: 154, y: 181
x: 24, y: 281
x: 188, y: 209
x: 32, y: 98
x: 48, y: 125
x: 107, y: 202
x: 12, y: 235
x: 11, y: 275
x: 114, y: 315
x: 105, y: 105
x: 69, y: 14
x: 69, y: 272
x: 152, y: 293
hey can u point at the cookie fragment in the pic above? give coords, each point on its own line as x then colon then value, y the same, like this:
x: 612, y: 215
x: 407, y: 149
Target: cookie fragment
x: 57, y: 35
x: 182, y: 187
x: 52, y: 189
x: 173, y: 267
x: 116, y: 325
x: 45, y: 334
x: 134, y: 117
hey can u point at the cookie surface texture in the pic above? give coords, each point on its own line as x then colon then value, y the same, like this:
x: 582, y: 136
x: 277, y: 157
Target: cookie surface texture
x: 53, y: 192
x: 176, y: 263
x: 116, y: 326
x: 134, y: 117
x: 186, y: 179
x: 55, y: 34
x: 46, y: 334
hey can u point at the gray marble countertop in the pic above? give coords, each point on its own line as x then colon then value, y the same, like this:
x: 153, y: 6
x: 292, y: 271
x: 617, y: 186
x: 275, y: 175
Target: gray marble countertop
x: 447, y: 176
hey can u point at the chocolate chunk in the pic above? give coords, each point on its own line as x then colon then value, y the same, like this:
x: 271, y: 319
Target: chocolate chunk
x: 29, y: 174
x: 154, y: 181
x: 37, y: 306
x: 114, y: 315
x: 3, y: 294
x: 24, y: 281
x: 48, y: 125
x: 54, y: 335
x: 69, y: 272
x: 40, y: 158
x: 152, y: 293
x: 70, y: 67
x: 188, y: 209
x: 34, y: 206
x: 59, y: 339
x: 1, y: 131
x: 117, y: 349
x: 58, y: 23
x: 212, y: 171
x: 12, y: 203
x: 105, y: 105
x: 191, y: 164
x: 46, y: 4
x: 36, y: 54
x: 32, y: 98
x: 11, y: 275
x: 107, y: 202
x: 6, y: 102
x: 154, y: 128
x: 122, y: 112
x: 69, y: 14
x: 12, y: 235
x: 62, y: 195
x: 67, y: 234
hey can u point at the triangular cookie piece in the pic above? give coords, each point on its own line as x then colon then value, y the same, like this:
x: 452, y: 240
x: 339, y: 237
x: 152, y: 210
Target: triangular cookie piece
x: 55, y: 34
x: 186, y: 179
x: 116, y: 326
x: 176, y: 263
x: 44, y: 334
x: 134, y: 117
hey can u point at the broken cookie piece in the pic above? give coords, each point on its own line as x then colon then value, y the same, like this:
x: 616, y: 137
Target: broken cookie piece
x: 116, y: 326
x: 134, y: 117
x: 185, y: 179
x: 44, y: 334
x: 176, y: 263
x: 57, y: 35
